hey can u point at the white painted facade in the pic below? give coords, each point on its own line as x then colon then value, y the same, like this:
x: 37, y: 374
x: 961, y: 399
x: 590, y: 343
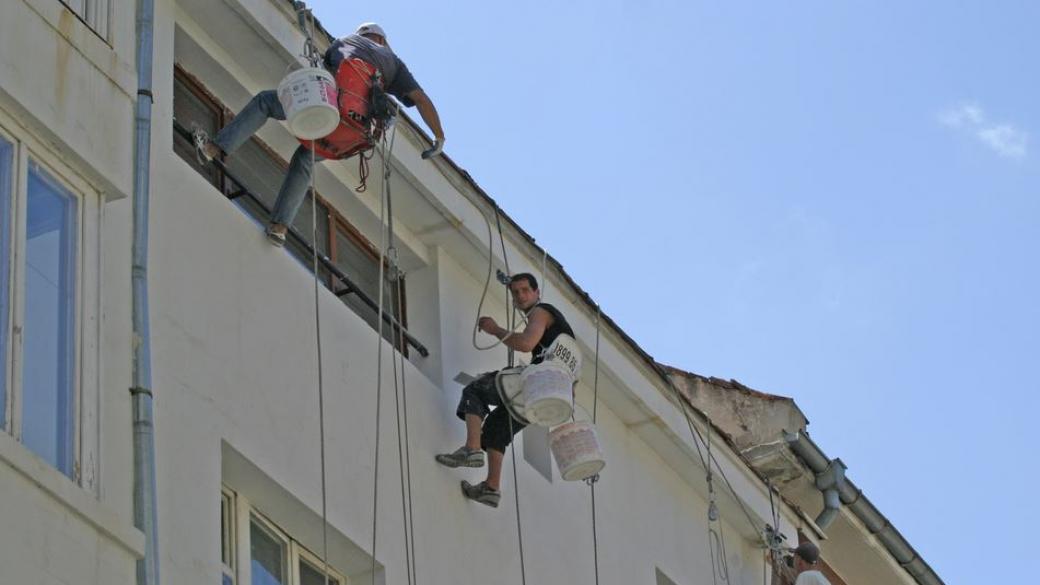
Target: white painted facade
x: 234, y: 356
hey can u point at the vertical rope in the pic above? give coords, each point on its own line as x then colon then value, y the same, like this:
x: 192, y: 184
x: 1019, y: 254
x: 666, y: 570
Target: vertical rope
x: 403, y: 451
x: 321, y: 382
x: 592, y: 484
x: 407, y: 441
x: 512, y: 446
x: 516, y: 497
x: 379, y: 374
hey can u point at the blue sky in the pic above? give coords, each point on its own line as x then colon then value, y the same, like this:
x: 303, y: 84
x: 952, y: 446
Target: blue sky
x: 833, y: 201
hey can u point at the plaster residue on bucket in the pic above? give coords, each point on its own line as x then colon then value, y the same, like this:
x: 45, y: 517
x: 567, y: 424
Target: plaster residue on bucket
x: 576, y: 448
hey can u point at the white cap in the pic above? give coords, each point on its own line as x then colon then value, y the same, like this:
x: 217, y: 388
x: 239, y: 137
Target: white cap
x: 370, y: 28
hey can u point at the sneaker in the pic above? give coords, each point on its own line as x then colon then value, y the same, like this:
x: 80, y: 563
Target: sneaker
x: 481, y: 493
x: 462, y: 457
x: 276, y: 238
x: 201, y: 140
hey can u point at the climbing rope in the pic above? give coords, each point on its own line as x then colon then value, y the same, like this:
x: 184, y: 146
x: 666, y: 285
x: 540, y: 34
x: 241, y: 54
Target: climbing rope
x: 594, y: 479
x: 306, y: 19
x: 487, y: 287
x: 379, y: 374
x: 400, y: 390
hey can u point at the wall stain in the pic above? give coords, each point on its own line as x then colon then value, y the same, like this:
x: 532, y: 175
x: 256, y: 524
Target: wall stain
x: 61, y: 69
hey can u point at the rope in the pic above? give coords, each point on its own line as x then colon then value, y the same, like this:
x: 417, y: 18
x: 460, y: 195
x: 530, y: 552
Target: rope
x: 400, y: 391
x: 311, y: 53
x: 592, y: 480
x: 512, y: 446
x: 321, y: 382
x: 516, y: 497
x: 707, y: 462
x: 379, y: 374
x: 487, y: 286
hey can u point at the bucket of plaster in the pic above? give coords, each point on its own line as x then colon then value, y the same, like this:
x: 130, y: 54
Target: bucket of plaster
x: 576, y: 449
x: 547, y: 386
x: 308, y: 96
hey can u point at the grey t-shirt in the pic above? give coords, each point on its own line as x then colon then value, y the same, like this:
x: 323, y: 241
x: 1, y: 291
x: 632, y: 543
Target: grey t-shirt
x: 397, y: 79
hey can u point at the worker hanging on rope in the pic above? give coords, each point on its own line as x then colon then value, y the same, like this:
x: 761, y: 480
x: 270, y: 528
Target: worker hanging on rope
x: 803, y: 562
x: 363, y: 56
x: 492, y: 430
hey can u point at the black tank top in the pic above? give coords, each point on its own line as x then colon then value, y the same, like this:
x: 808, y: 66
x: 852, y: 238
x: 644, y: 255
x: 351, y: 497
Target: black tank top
x: 559, y: 325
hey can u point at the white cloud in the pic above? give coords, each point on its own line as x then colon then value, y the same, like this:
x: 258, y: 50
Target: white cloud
x: 1005, y: 139
x: 1002, y: 138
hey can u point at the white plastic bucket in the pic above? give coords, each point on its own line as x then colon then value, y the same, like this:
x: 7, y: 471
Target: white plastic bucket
x: 308, y: 97
x: 546, y: 389
x: 576, y: 449
x: 511, y: 392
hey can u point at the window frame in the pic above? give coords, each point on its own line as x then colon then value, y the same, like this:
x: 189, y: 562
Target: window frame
x: 229, y: 535
x: 245, y: 515
x: 28, y: 153
x: 95, y: 14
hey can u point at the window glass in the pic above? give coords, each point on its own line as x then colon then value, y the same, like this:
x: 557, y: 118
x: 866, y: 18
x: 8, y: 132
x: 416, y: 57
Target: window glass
x: 48, y: 333
x: 268, y: 556
x: 6, y: 185
x: 312, y: 575
x: 362, y: 267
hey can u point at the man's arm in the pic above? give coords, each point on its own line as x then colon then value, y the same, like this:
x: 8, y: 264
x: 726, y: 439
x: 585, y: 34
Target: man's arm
x: 429, y: 115
x: 537, y: 322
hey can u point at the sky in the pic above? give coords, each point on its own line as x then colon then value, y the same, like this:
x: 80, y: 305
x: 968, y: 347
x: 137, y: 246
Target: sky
x: 832, y: 201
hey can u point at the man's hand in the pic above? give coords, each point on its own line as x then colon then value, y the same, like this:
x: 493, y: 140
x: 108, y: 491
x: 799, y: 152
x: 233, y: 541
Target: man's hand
x: 437, y: 148
x: 488, y: 325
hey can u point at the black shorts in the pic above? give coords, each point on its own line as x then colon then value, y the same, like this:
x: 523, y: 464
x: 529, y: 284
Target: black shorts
x: 499, y: 426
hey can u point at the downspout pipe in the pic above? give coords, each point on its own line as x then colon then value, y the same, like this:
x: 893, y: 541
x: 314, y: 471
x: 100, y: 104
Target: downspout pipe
x: 858, y: 503
x: 145, y: 507
x: 830, y: 482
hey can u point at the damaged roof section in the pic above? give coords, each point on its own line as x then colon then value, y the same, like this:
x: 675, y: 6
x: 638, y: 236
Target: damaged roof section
x: 769, y: 432
x: 753, y: 421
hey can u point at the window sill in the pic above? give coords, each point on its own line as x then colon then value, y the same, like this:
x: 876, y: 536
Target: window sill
x: 68, y: 494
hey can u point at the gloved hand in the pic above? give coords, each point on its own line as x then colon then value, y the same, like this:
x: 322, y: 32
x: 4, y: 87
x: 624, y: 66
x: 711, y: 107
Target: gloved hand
x: 438, y: 146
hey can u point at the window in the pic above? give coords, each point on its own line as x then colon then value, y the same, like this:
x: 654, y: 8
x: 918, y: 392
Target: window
x: 93, y: 12
x: 46, y: 216
x: 261, y: 171
x: 275, y: 558
x: 227, y: 537
x: 48, y: 328
x: 6, y: 187
x: 268, y: 555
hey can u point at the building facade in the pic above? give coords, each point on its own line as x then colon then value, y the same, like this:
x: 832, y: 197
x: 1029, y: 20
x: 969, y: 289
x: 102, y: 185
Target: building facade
x: 250, y: 490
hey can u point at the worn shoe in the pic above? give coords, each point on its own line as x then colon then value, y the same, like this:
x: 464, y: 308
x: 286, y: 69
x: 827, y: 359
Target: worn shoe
x: 481, y: 493
x: 462, y: 457
x: 276, y: 238
x: 201, y: 141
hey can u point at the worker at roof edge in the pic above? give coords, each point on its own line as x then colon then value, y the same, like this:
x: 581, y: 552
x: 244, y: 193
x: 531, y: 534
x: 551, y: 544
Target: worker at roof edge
x: 490, y: 429
x: 806, y: 556
x: 369, y: 44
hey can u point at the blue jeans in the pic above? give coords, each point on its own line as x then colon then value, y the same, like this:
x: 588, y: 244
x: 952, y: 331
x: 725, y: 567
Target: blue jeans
x: 265, y: 105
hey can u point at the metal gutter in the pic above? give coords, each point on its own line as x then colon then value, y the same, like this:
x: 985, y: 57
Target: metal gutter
x: 852, y: 497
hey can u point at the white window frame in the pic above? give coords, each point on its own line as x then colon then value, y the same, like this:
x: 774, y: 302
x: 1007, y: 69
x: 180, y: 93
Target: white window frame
x: 229, y: 515
x: 85, y: 341
x: 244, y: 515
x: 299, y: 553
x: 95, y: 13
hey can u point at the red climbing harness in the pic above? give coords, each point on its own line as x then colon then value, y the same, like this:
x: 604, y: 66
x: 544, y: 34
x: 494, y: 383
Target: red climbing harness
x: 357, y: 131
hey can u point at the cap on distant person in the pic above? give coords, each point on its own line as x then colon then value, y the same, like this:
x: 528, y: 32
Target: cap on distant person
x: 370, y: 28
x: 808, y: 552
